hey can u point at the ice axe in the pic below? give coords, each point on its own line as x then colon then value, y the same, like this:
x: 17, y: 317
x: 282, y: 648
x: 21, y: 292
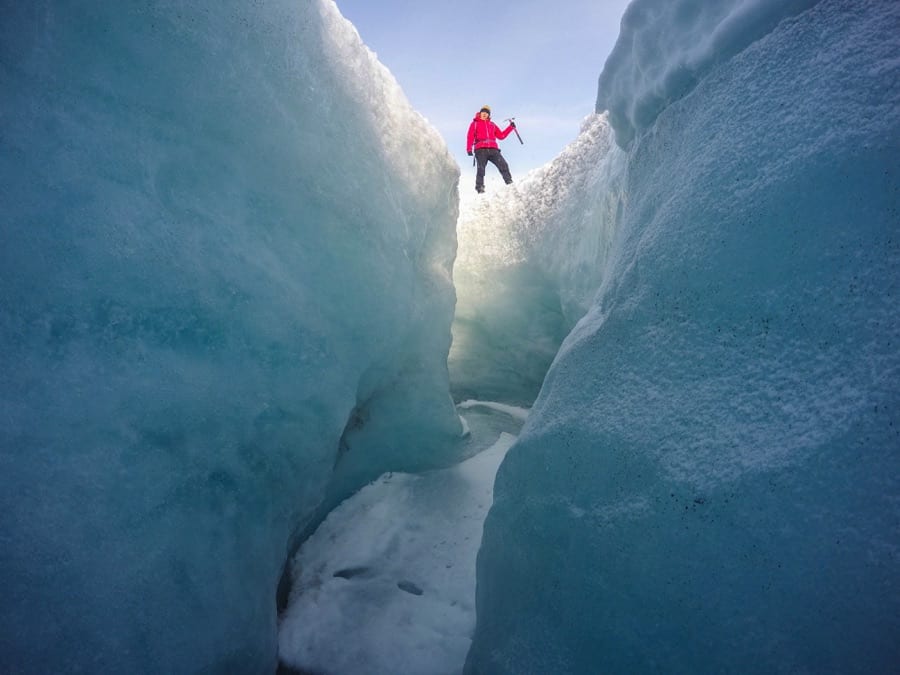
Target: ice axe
x: 512, y: 120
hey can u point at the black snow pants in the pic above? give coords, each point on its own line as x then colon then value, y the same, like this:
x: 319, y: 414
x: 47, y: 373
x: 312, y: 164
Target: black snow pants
x: 482, y: 157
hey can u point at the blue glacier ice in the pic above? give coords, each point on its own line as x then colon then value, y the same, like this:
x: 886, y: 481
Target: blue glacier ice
x: 224, y: 305
x: 709, y: 480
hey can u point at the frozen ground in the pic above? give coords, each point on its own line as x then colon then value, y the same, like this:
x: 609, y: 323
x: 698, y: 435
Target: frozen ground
x: 387, y: 583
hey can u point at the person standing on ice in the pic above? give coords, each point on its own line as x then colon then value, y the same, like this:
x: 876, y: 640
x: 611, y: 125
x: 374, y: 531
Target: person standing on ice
x: 483, y: 137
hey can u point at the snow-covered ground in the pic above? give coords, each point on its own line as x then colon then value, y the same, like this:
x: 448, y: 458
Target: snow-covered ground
x: 387, y: 583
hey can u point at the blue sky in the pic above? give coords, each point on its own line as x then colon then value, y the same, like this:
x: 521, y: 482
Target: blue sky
x: 537, y: 60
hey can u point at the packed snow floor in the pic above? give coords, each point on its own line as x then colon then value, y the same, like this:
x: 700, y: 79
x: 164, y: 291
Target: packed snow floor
x: 387, y: 583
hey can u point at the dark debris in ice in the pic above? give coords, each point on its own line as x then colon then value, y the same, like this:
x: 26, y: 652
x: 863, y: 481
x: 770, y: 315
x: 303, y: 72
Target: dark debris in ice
x: 409, y: 587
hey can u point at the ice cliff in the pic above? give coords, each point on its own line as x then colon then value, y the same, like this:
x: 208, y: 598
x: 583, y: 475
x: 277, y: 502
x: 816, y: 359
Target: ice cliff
x: 223, y: 302
x: 709, y: 478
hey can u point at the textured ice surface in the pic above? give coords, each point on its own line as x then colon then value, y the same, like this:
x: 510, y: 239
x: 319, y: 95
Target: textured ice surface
x: 217, y: 285
x: 665, y: 47
x: 709, y: 479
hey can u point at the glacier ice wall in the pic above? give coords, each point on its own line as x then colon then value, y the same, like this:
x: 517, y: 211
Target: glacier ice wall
x: 223, y: 300
x: 652, y: 65
x: 529, y: 262
x: 708, y: 480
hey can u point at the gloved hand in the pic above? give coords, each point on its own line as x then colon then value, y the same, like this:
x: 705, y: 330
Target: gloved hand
x: 512, y: 124
x: 470, y: 153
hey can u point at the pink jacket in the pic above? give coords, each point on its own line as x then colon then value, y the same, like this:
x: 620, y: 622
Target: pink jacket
x: 484, y: 134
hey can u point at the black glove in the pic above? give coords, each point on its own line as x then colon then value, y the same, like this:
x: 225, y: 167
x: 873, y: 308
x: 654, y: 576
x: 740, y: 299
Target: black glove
x: 512, y: 124
x: 470, y: 153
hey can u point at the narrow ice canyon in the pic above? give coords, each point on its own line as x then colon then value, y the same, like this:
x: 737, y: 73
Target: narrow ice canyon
x: 239, y: 348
